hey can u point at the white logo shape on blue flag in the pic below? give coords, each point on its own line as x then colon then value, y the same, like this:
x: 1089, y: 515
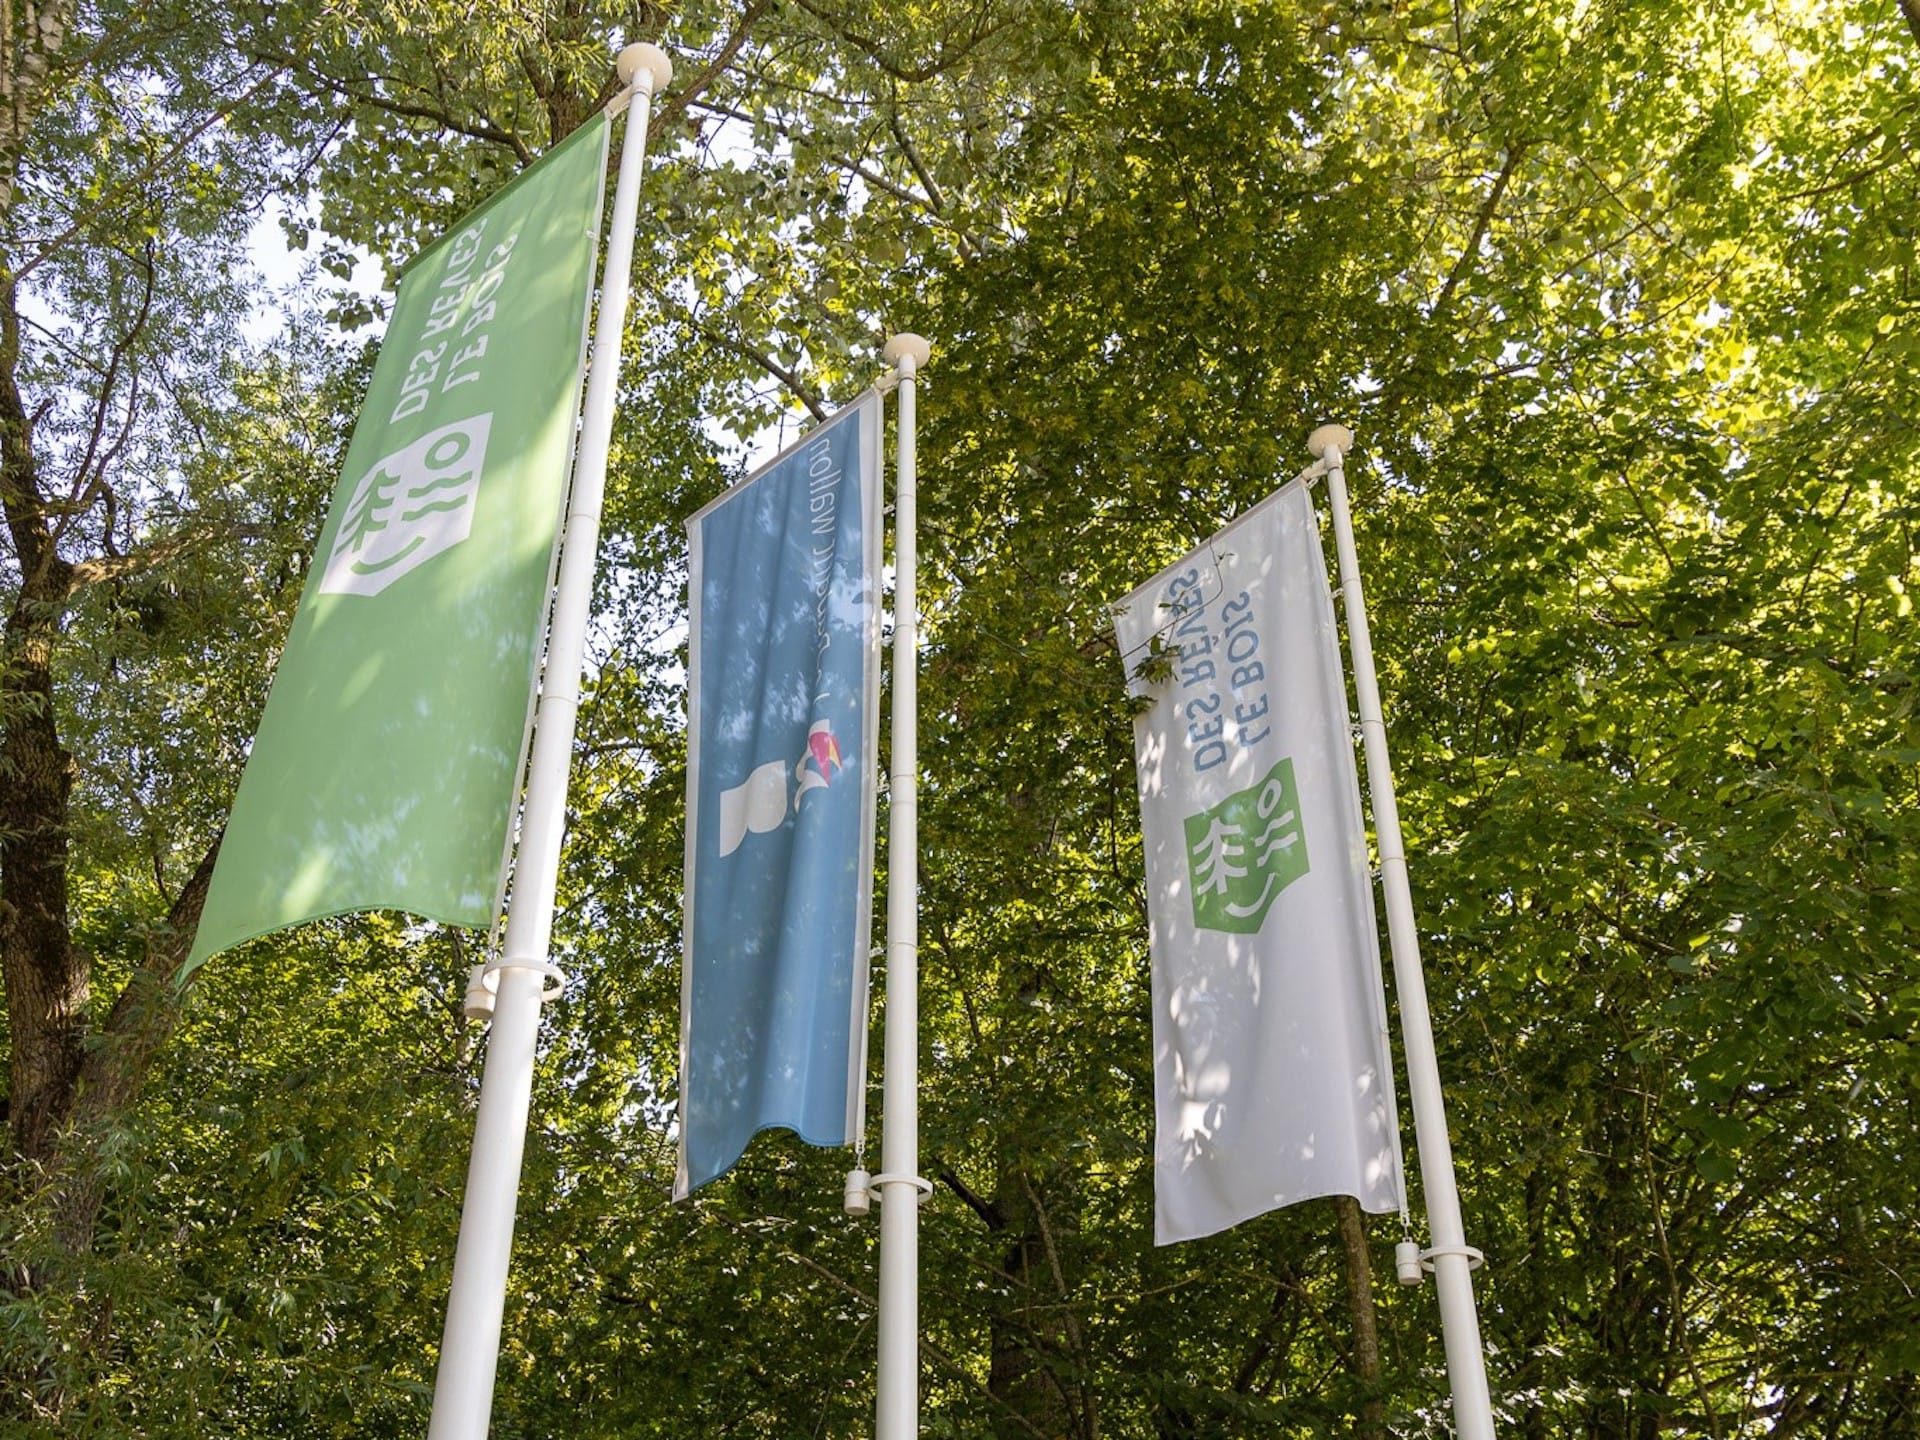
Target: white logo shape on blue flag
x: 783, y: 729
x: 759, y: 803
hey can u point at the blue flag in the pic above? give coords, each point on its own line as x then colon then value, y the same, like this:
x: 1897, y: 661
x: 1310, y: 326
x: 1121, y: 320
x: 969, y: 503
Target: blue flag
x: 783, y: 725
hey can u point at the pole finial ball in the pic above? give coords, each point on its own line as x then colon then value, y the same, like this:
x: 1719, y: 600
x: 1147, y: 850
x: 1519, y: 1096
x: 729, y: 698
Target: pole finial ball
x: 646, y: 66
x: 908, y: 347
x: 1337, y: 438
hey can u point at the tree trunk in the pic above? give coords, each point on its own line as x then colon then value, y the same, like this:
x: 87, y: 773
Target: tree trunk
x: 116, y: 1068
x: 55, y: 1081
x: 1036, y: 1344
x: 46, y: 977
x: 31, y: 35
x: 1360, y: 1311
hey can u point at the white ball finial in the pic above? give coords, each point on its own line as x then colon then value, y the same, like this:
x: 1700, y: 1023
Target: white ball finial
x: 908, y: 347
x: 644, y: 66
x: 1337, y: 438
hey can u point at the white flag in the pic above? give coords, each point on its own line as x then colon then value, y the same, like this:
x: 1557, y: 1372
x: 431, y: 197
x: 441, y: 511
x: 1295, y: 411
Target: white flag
x: 1273, y: 1081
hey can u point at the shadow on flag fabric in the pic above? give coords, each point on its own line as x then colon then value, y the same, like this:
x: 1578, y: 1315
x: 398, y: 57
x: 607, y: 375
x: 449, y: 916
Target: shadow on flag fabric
x: 783, y: 716
x: 385, y: 770
x: 1273, y: 1078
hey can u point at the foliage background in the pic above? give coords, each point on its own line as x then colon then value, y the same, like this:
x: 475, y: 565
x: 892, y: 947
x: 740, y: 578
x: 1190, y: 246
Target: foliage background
x: 1621, y: 302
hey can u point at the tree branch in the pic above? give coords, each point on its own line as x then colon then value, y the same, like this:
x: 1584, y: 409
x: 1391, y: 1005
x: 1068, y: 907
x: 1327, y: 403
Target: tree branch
x: 786, y: 377
x: 936, y: 202
x: 988, y: 1212
x: 214, y: 118
x: 885, y: 63
x: 150, y: 557
x: 677, y: 105
x: 479, y: 128
x: 84, y: 490
x: 1482, y: 222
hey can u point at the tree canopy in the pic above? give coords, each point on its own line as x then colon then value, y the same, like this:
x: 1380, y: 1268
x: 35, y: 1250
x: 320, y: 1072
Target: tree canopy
x: 1621, y: 302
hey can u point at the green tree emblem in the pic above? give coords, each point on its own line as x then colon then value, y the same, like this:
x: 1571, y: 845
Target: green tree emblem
x: 1244, y: 851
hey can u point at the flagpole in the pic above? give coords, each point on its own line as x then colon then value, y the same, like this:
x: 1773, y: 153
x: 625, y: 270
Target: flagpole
x: 1450, y: 1257
x: 899, y: 1186
x: 470, y: 1346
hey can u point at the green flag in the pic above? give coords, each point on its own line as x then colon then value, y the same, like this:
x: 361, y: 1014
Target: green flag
x: 383, y: 775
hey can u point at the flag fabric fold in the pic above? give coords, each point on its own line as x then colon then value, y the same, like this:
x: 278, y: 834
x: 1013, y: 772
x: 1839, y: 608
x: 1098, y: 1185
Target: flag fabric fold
x: 385, y: 769
x: 783, y: 727
x: 1273, y: 1077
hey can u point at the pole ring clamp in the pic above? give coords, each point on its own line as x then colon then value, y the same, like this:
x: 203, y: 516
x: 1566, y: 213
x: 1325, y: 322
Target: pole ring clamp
x: 877, y: 1186
x: 1475, y: 1259
x: 556, y: 978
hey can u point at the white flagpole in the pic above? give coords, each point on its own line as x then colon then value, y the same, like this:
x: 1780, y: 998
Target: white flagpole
x: 899, y: 1186
x: 1452, y: 1259
x: 470, y: 1346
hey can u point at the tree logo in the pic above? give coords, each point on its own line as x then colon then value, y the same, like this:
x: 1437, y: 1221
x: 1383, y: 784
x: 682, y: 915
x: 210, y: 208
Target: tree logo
x: 1244, y: 851
x: 409, y: 507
